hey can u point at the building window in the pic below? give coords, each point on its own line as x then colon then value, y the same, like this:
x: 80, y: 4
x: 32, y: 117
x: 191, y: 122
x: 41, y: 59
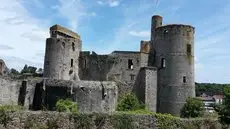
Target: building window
x: 132, y: 77
x: 73, y: 46
x: 130, y: 64
x: 85, y: 64
x: 189, y: 49
x: 71, y: 62
x: 184, y: 79
x: 166, y: 31
x: 163, y: 63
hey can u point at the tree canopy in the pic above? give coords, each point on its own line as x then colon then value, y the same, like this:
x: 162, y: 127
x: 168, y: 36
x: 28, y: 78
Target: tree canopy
x: 192, y: 108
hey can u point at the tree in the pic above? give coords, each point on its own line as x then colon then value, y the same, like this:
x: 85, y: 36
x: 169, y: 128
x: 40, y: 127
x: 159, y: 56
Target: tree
x: 29, y: 69
x: 129, y: 103
x: 192, y: 108
x: 224, y: 109
x: 14, y: 71
x: 25, y: 69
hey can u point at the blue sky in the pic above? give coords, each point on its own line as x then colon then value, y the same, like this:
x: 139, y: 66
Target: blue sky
x: 107, y: 25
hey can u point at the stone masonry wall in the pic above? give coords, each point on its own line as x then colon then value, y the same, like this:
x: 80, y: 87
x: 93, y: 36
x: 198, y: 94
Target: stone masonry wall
x: 113, y: 67
x: 10, y: 90
x: 146, y: 87
x: 91, y: 96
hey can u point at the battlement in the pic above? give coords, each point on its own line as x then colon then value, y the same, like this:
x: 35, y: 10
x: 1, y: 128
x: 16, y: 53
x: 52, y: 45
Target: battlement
x: 175, y: 29
x: 125, y: 52
x: 59, y: 30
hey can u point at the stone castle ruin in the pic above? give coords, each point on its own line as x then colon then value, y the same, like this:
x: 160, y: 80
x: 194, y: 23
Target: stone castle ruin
x: 161, y: 74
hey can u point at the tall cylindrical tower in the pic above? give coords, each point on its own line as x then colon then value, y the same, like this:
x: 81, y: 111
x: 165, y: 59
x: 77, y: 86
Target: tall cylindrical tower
x: 174, y: 49
x: 61, y: 56
x: 156, y: 22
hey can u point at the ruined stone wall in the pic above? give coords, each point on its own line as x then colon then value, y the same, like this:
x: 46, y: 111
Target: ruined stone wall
x: 122, y: 71
x: 95, y: 67
x: 9, y: 91
x: 113, y: 67
x: 174, y: 48
x: 91, y: 96
x: 61, y: 58
x: 146, y: 87
x: 17, y: 92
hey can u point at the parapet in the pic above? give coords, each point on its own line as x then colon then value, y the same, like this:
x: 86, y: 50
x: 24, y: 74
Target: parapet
x: 176, y: 29
x: 65, y: 31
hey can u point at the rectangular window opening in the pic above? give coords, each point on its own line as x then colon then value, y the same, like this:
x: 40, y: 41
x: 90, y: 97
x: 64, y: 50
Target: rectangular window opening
x: 85, y: 64
x: 189, y: 49
x: 184, y: 79
x: 73, y: 46
x: 163, y: 63
x: 71, y: 62
x: 132, y: 77
x: 130, y: 64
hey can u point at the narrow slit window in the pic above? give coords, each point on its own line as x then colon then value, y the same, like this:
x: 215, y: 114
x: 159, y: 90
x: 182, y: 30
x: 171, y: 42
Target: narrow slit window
x: 163, y: 63
x: 130, y: 64
x: 132, y: 77
x: 189, y: 49
x: 71, y: 62
x: 184, y: 79
x: 73, y: 46
x: 85, y: 64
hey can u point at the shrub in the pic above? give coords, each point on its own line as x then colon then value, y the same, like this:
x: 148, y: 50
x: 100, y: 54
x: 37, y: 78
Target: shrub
x: 129, y: 103
x: 66, y: 106
x: 5, y: 111
x: 224, y: 109
x: 192, y: 108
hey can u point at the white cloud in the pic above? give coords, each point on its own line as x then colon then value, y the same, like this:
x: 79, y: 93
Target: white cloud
x: 22, y: 31
x: 140, y: 33
x: 5, y: 47
x: 100, y: 2
x: 72, y: 10
x: 114, y: 3
x: 110, y: 3
x: 93, y: 14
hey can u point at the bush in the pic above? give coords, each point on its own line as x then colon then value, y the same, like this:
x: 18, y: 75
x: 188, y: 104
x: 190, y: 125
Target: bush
x: 224, y: 109
x: 66, y: 106
x: 5, y: 111
x: 129, y: 103
x: 192, y: 108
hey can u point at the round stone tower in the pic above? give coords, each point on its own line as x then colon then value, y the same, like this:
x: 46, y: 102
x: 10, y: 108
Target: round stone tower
x: 62, y: 53
x: 156, y: 22
x: 174, y: 57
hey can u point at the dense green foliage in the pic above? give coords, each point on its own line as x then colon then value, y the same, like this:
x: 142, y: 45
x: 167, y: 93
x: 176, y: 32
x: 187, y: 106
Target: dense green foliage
x: 28, y: 69
x: 129, y: 103
x: 224, y: 109
x: 66, y: 106
x: 14, y: 71
x: 210, y: 88
x: 4, y: 113
x: 192, y: 108
x: 118, y: 120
